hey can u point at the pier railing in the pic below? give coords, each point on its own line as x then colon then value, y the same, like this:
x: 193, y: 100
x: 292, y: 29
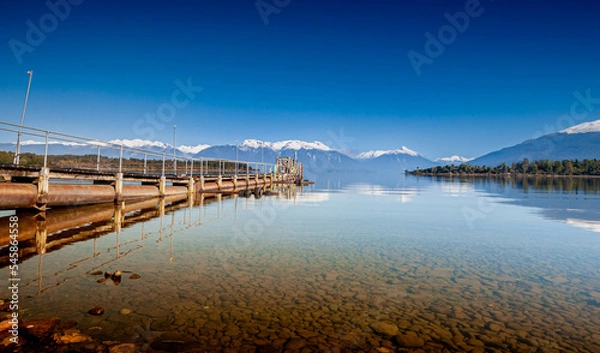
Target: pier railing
x: 110, y: 157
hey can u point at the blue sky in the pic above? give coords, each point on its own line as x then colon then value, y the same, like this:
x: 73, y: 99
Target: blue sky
x: 335, y: 71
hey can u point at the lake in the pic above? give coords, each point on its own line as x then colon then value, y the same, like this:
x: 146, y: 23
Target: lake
x: 410, y: 264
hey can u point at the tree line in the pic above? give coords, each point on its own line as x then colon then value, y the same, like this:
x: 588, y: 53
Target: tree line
x: 524, y: 167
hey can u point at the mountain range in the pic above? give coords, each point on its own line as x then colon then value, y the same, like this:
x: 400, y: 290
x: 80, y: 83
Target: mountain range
x: 578, y: 142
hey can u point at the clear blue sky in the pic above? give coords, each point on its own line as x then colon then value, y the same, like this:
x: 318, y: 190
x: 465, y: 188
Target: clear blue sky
x: 317, y: 68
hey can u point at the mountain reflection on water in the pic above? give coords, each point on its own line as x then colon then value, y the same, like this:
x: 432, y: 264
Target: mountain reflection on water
x: 396, y: 264
x: 575, y: 201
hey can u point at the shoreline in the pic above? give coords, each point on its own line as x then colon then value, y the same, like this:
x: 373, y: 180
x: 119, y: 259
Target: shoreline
x: 506, y: 176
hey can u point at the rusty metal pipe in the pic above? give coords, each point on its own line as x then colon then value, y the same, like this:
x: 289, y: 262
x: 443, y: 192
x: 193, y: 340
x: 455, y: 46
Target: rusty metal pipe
x: 14, y: 195
x: 69, y: 195
x: 139, y: 191
x: 175, y: 190
x: 227, y: 185
x: 210, y: 186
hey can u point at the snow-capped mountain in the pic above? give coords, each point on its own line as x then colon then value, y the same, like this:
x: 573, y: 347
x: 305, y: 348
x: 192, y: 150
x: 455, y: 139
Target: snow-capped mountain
x: 453, y: 160
x: 379, y: 153
x: 146, y: 144
x: 393, y: 161
x: 285, y: 145
x: 578, y: 142
x: 592, y: 126
x: 138, y: 143
x: 192, y: 149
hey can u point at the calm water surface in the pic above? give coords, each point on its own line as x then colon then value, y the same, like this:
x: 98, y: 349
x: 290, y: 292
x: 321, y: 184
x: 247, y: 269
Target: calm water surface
x: 411, y: 265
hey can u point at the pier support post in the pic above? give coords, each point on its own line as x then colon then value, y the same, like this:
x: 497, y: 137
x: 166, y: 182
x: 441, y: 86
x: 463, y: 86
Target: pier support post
x: 119, y: 217
x: 219, y: 182
x: 190, y: 187
x: 201, y: 183
x: 235, y: 182
x: 41, y: 235
x: 162, y: 185
x: 42, y: 191
x: 118, y: 186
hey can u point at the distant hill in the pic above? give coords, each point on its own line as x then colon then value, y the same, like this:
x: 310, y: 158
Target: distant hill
x: 578, y: 142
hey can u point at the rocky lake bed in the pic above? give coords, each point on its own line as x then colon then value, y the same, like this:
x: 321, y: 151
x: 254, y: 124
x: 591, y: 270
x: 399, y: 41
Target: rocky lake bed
x: 291, y: 288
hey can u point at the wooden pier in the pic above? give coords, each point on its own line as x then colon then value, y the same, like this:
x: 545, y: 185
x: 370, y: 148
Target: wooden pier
x: 46, y: 185
x: 27, y: 187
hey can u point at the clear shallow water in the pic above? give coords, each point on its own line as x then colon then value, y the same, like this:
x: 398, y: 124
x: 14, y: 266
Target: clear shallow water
x: 460, y: 265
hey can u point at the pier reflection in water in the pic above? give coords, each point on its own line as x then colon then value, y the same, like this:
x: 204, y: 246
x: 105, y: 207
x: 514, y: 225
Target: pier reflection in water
x: 48, y: 231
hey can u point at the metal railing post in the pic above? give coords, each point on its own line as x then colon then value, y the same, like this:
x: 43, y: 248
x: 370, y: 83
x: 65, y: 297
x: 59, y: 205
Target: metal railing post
x: 98, y: 160
x: 192, y: 167
x: 46, y: 150
x: 174, y: 164
x: 163, y: 165
x: 18, y: 150
x: 121, y: 159
x: 145, y: 163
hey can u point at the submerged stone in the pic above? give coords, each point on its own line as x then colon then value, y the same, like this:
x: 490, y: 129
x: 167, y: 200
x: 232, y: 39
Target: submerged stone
x: 123, y: 348
x: 71, y: 336
x: 175, y: 343
x: 385, y: 328
x: 5, y: 305
x: 295, y: 343
x: 96, y: 311
x: 41, y: 329
x: 409, y: 340
x: 160, y: 325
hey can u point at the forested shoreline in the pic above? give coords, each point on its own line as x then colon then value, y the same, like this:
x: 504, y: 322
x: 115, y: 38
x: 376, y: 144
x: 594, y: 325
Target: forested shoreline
x: 586, y: 167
